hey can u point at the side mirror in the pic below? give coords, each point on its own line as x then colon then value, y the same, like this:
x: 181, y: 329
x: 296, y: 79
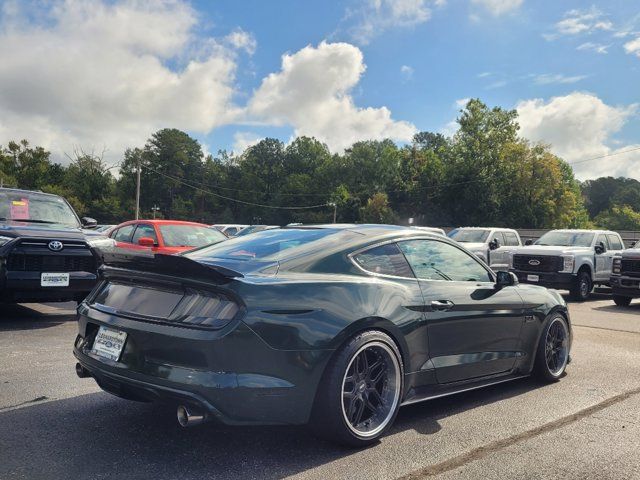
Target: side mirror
x: 505, y: 279
x: 600, y: 248
x: 494, y: 244
x: 146, y: 242
x: 528, y: 242
x: 88, y: 222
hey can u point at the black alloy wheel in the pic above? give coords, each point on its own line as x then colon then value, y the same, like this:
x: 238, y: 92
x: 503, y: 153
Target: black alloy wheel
x: 553, y: 350
x: 359, y: 396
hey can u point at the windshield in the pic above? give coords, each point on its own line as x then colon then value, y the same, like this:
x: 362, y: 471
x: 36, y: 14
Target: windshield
x: 566, y: 239
x: 464, y: 235
x: 36, y: 208
x: 264, y: 245
x: 189, y: 235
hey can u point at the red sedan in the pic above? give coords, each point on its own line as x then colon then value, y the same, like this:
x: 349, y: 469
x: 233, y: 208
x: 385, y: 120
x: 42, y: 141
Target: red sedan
x: 164, y: 236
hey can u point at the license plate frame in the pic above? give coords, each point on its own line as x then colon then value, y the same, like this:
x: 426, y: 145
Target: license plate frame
x: 533, y: 278
x: 109, y: 343
x: 54, y: 279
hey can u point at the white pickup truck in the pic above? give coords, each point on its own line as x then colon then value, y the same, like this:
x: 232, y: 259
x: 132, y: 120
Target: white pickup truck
x: 573, y: 260
x: 490, y: 244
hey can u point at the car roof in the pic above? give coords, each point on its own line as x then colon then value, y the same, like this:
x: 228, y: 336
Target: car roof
x: 581, y: 230
x: 33, y: 192
x: 488, y: 228
x: 162, y: 222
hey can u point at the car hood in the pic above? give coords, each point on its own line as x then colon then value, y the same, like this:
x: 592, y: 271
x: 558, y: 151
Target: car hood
x: 553, y: 250
x: 40, y: 230
x: 631, y: 253
x: 474, y: 245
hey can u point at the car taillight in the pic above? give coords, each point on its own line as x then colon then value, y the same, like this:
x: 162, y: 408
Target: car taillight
x: 201, y: 309
x: 617, y: 266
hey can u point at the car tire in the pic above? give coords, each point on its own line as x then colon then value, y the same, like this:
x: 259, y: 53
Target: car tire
x: 552, y: 354
x: 621, y: 301
x: 582, y: 287
x: 359, y: 395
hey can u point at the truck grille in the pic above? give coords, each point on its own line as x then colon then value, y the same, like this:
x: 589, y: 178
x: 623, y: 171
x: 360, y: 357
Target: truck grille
x: 547, y: 263
x: 50, y: 263
x: 630, y: 267
x: 33, y: 255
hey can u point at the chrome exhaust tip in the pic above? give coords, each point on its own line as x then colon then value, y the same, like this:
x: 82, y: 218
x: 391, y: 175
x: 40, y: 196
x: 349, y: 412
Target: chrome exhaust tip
x: 81, y: 371
x: 189, y: 418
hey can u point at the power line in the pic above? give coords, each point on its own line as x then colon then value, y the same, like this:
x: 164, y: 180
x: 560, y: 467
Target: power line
x: 305, y: 207
x: 605, y: 155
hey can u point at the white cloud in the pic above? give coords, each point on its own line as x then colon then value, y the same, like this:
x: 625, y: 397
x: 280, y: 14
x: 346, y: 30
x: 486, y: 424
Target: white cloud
x: 498, y: 7
x: 580, y: 126
x: 407, y: 72
x: 558, y: 78
x: 594, y: 47
x: 633, y: 47
x: 376, y: 16
x: 581, y: 22
x: 312, y: 93
x: 244, y: 140
x: 242, y: 40
x: 462, y: 102
x: 96, y: 74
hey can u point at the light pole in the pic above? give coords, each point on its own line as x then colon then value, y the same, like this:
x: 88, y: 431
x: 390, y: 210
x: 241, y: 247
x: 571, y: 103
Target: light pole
x: 138, y: 191
x: 335, y: 210
x: 155, y: 209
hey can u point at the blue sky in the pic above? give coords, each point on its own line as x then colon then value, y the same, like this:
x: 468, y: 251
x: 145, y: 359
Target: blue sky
x: 232, y: 72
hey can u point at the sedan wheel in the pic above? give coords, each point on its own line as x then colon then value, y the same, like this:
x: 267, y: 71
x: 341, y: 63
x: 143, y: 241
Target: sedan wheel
x: 359, y: 396
x: 553, y: 350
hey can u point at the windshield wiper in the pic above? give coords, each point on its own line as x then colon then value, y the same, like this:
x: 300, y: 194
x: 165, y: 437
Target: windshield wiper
x: 30, y: 220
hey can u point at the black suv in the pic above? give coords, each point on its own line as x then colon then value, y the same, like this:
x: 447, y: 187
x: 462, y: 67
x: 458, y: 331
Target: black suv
x: 44, y: 254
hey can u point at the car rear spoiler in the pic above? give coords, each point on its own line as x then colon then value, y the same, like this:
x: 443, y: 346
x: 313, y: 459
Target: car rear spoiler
x: 173, y: 265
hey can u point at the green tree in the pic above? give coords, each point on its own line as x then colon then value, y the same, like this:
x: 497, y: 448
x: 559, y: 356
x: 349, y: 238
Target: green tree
x: 618, y: 217
x: 377, y: 210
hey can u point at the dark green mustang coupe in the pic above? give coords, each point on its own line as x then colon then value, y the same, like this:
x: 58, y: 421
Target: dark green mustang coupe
x: 336, y: 326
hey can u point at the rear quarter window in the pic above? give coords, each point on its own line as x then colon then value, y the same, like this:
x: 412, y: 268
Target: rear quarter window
x: 384, y: 259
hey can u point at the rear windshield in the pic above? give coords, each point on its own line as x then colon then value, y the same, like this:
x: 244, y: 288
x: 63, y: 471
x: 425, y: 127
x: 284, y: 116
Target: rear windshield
x: 270, y: 244
x: 189, y: 235
x: 469, y: 236
x: 566, y: 239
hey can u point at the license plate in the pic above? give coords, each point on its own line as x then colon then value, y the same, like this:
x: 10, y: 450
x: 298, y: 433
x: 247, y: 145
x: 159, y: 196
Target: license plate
x: 533, y: 278
x: 109, y: 343
x: 54, y: 279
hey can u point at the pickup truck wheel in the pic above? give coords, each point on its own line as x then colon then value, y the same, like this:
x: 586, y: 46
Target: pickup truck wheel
x: 582, y: 287
x: 621, y: 301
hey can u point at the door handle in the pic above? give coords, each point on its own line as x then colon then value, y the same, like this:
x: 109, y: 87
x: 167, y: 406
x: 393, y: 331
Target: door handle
x: 441, y: 305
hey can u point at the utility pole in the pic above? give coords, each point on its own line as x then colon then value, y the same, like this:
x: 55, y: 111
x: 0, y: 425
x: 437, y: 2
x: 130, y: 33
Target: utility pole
x: 335, y: 210
x: 138, y: 191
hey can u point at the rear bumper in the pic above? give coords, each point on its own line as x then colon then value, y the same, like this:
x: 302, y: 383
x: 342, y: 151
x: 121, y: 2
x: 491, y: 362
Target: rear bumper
x: 560, y: 281
x: 625, y: 286
x: 25, y: 287
x: 232, y: 375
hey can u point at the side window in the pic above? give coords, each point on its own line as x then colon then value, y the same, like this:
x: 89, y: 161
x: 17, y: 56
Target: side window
x: 498, y: 235
x: 385, y: 259
x: 434, y: 260
x: 144, y: 230
x: 614, y: 242
x: 510, y: 239
x: 603, y: 238
x: 124, y: 234
x: 231, y: 231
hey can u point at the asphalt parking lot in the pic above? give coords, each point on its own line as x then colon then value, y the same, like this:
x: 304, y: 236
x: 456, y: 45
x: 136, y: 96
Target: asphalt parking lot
x: 55, y: 425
